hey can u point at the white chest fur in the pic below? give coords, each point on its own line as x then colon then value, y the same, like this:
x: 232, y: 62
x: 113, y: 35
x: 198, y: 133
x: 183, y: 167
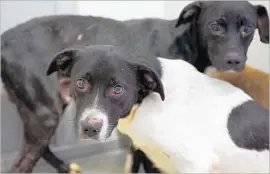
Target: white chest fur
x: 190, y: 126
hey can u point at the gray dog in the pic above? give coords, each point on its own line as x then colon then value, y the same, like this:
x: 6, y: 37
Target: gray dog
x: 206, y: 33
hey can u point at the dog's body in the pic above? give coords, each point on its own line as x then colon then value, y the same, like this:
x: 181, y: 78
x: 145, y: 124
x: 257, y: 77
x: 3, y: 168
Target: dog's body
x: 201, y: 122
x: 36, y: 97
x: 252, y: 81
x: 28, y: 48
x: 150, y: 36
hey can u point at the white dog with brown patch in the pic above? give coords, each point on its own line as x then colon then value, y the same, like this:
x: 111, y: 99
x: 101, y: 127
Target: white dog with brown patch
x: 204, y: 125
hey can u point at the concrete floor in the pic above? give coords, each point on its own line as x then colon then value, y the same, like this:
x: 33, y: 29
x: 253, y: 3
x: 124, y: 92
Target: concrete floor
x: 111, y: 162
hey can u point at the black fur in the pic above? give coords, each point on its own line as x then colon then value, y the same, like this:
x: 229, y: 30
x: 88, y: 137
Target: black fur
x: 36, y: 98
x: 55, y: 161
x: 250, y: 129
x: 139, y: 157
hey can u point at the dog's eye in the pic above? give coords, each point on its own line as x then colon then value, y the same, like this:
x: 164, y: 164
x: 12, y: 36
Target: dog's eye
x: 215, y: 27
x: 81, y: 84
x: 118, y: 89
x: 246, y: 30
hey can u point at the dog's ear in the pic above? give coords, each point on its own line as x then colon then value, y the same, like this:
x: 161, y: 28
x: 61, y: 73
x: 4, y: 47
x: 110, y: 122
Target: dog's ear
x: 263, y: 23
x: 63, y: 62
x: 190, y: 13
x: 148, y: 80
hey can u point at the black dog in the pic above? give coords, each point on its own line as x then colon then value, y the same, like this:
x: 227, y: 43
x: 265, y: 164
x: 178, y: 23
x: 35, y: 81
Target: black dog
x: 119, y: 80
x: 28, y: 48
x: 105, y: 83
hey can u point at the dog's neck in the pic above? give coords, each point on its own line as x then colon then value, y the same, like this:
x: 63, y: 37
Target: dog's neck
x: 188, y: 46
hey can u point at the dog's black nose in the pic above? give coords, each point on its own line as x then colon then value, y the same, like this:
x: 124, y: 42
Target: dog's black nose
x: 91, y: 126
x: 234, y: 60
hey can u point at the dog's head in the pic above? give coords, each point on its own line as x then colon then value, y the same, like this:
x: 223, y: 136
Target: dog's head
x: 105, y: 83
x: 226, y: 29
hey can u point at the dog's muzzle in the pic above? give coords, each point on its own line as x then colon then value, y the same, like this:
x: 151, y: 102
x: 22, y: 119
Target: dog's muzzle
x: 93, y: 125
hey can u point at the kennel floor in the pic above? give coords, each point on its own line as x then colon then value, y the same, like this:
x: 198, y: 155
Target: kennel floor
x: 109, y: 162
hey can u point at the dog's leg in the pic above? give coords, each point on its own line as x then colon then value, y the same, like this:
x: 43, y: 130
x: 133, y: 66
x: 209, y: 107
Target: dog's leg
x: 38, y: 130
x: 133, y: 161
x: 136, y: 157
x: 30, y: 155
x: 148, y: 166
x: 36, y: 138
x: 60, y: 165
x: 40, y: 120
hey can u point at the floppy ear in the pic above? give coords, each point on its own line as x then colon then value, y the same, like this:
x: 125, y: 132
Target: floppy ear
x: 263, y: 23
x: 62, y: 62
x: 148, y: 81
x: 189, y: 14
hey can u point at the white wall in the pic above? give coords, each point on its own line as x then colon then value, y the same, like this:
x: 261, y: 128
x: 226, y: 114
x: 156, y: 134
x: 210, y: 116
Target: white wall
x: 15, y: 12
x: 122, y: 10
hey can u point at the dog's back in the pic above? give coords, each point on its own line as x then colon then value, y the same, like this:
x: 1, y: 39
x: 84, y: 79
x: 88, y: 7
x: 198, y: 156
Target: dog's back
x: 53, y: 33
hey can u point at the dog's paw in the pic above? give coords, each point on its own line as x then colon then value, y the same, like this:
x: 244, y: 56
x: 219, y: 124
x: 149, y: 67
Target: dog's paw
x: 74, y: 168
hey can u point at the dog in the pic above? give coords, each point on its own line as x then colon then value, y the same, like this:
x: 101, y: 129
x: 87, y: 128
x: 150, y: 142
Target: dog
x: 106, y: 82
x: 184, y: 38
x: 252, y: 81
x: 204, y: 125
x: 218, y: 31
